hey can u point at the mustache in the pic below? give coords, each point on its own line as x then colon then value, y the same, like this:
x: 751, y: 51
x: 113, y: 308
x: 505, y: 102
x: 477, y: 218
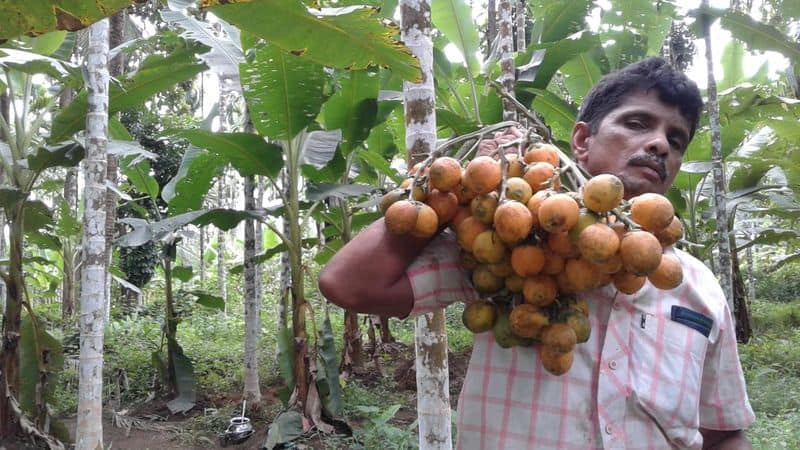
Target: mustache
x: 659, y: 164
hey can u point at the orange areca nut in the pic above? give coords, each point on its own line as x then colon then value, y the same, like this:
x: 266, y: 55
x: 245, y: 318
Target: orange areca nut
x: 559, y: 243
x: 555, y: 362
x: 542, y: 153
x: 559, y: 337
x: 401, y: 217
x: 603, y: 193
x: 483, y: 207
x: 553, y: 262
x: 640, y: 252
x: 598, y: 242
x: 513, y: 222
x: 445, y: 173
x: 488, y: 248
x: 527, y: 321
x: 539, y: 290
x: 651, y: 211
x: 671, y: 234
x: 479, y: 317
x: 527, y: 260
x: 581, y: 274
x: 540, y: 176
x: 668, y: 274
x: 418, y: 192
x: 482, y: 175
x: 516, y: 165
x: 558, y: 213
x: 391, y: 197
x: 536, y: 201
x: 485, y: 281
x: 627, y: 282
x: 427, y: 221
x: 461, y: 213
x: 518, y: 189
x: 467, y: 230
x: 445, y: 204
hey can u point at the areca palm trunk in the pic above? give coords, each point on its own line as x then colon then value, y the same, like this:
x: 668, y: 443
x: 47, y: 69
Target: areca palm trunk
x: 89, y: 433
x: 433, y: 385
x: 252, y: 308
x: 507, y: 66
x: 718, y: 173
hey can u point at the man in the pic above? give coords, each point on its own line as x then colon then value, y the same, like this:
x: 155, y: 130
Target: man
x: 661, y: 369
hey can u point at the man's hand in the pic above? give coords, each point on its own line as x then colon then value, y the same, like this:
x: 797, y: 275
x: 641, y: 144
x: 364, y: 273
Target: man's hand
x: 725, y: 440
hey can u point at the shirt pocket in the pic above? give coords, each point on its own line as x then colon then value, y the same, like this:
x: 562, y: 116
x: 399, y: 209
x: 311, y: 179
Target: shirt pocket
x: 666, y: 373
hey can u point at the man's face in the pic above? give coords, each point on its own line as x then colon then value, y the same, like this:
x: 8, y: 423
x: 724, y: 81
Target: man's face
x: 642, y: 142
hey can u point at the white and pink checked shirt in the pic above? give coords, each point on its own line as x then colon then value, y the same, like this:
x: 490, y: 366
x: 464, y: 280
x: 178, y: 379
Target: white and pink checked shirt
x: 643, y: 380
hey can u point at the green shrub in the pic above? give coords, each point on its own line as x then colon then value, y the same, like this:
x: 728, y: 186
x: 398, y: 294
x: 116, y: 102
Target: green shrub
x: 782, y: 285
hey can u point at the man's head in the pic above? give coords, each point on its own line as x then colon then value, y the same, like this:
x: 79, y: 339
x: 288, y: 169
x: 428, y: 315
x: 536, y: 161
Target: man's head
x: 636, y: 123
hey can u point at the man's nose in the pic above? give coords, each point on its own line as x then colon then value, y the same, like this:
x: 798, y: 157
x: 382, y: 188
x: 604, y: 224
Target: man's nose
x: 658, y: 143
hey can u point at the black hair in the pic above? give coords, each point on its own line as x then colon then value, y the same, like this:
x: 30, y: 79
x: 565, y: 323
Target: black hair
x: 673, y: 87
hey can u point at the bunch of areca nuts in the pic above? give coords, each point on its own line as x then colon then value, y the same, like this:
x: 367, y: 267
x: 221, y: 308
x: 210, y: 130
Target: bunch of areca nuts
x: 531, y: 245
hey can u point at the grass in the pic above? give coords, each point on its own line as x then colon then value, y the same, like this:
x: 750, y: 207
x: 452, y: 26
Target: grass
x: 771, y: 363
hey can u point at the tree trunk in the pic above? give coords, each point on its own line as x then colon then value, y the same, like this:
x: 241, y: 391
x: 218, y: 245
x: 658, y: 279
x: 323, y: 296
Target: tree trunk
x: 69, y: 251
x: 9, y: 426
x: 507, y: 66
x: 491, y: 26
x: 718, y: 171
x: 89, y: 432
x: 751, y: 280
x: 252, y: 308
x: 221, y: 246
x: 740, y: 311
x: 171, y: 330
x: 202, y: 257
x: 519, y: 19
x: 433, y: 390
x: 115, y: 69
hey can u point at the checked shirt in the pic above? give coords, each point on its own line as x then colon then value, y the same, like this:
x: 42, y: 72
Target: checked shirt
x: 658, y: 366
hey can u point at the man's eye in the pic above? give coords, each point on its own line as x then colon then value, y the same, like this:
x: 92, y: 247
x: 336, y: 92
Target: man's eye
x: 635, y: 124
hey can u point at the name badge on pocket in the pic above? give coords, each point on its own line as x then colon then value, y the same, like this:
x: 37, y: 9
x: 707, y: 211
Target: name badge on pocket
x: 692, y: 319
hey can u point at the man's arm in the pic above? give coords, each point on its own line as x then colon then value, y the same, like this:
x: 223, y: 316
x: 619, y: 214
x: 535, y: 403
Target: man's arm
x: 725, y: 440
x: 368, y: 275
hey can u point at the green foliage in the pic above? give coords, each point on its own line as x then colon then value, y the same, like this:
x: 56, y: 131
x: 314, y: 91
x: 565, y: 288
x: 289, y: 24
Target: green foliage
x: 355, y: 40
x: 771, y: 363
x: 782, y: 285
x: 39, y: 16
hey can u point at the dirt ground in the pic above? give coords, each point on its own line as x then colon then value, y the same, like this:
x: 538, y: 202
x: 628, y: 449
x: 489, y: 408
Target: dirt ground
x: 153, y: 428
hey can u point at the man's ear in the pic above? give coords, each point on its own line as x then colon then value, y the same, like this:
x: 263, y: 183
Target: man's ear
x: 579, y: 143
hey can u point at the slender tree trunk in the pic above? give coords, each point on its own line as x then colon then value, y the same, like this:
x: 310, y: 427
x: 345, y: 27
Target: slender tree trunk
x: 3, y: 254
x: 252, y: 308
x: 433, y: 384
x: 751, y: 280
x: 718, y: 171
x: 202, y: 257
x: 68, y: 283
x: 286, y: 273
x: 507, y: 66
x: 9, y: 425
x: 298, y: 292
x: 172, y: 321
x: 519, y: 19
x: 68, y: 249
x: 115, y: 69
x: 89, y: 433
x: 5, y: 112
x: 491, y: 25
x: 742, y: 314
x: 221, y: 246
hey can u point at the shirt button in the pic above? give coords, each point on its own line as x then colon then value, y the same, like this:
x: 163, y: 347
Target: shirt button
x: 612, y: 364
x: 609, y: 430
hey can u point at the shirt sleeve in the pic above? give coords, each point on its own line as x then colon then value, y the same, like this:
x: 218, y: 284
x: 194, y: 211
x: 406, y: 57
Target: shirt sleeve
x: 438, y: 278
x: 723, y: 396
